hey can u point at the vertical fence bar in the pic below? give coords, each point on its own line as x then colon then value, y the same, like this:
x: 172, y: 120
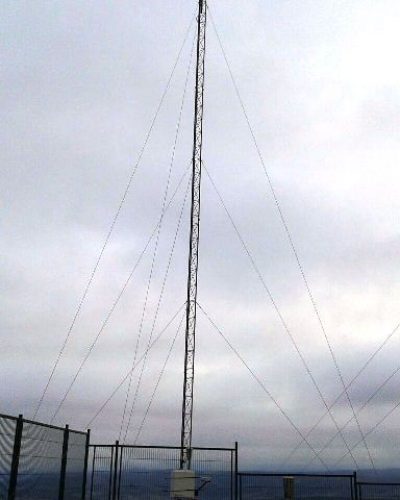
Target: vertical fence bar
x: 353, y: 486
x: 356, y: 495
x: 63, y: 469
x: 85, y: 465
x: 233, y: 475
x: 12, y: 487
x: 114, y: 496
x: 236, y: 469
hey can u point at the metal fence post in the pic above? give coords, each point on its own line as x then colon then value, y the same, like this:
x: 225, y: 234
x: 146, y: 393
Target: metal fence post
x: 63, y: 469
x: 236, y: 470
x: 12, y: 486
x: 288, y: 487
x: 356, y: 491
x: 114, y: 495
x: 85, y: 465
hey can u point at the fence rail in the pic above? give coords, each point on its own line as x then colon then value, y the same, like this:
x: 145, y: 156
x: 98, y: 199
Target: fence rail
x: 43, y: 461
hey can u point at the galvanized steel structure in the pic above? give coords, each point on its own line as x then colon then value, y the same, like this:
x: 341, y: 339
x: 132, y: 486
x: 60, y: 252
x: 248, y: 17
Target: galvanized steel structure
x: 191, y: 305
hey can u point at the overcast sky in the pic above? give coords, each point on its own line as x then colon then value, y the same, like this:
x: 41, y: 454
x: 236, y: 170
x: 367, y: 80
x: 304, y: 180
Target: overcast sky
x: 81, y: 81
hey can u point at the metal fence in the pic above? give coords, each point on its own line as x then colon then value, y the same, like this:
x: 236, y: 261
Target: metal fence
x: 260, y: 486
x: 41, y: 461
x: 144, y: 472
x: 374, y: 491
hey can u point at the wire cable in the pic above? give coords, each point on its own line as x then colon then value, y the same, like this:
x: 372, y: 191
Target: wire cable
x: 279, y: 313
x: 125, y: 377
x: 373, y: 429
x: 364, y: 405
x: 114, y: 305
x: 263, y: 387
x: 113, y: 223
x: 166, y: 274
x: 158, y: 382
x: 137, y: 343
x: 291, y: 242
x: 164, y: 203
x: 356, y: 376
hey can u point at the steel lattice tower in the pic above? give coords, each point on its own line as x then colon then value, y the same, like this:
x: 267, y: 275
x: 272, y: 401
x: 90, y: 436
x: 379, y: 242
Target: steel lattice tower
x: 191, y: 304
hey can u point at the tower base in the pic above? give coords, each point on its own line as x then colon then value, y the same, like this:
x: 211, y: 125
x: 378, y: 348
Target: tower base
x: 183, y: 484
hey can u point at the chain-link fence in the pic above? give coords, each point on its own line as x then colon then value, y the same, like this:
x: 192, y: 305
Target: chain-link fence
x: 40, y: 461
x: 260, y: 486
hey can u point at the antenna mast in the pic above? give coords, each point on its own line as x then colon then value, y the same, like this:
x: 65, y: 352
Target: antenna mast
x: 191, y: 304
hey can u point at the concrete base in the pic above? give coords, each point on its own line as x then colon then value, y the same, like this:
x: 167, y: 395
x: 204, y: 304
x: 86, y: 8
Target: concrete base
x: 183, y: 484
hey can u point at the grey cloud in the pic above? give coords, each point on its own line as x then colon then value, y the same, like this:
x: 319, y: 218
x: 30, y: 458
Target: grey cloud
x: 81, y: 84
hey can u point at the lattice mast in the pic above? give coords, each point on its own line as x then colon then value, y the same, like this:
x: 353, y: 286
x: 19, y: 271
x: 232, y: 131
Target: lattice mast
x: 191, y: 305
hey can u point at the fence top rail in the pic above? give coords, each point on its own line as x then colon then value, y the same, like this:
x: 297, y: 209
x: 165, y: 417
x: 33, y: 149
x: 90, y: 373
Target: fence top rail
x: 212, y: 448
x: 42, y: 424
x: 367, y: 483
x: 295, y: 474
x: 155, y: 447
x: 10, y: 417
x: 120, y: 445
